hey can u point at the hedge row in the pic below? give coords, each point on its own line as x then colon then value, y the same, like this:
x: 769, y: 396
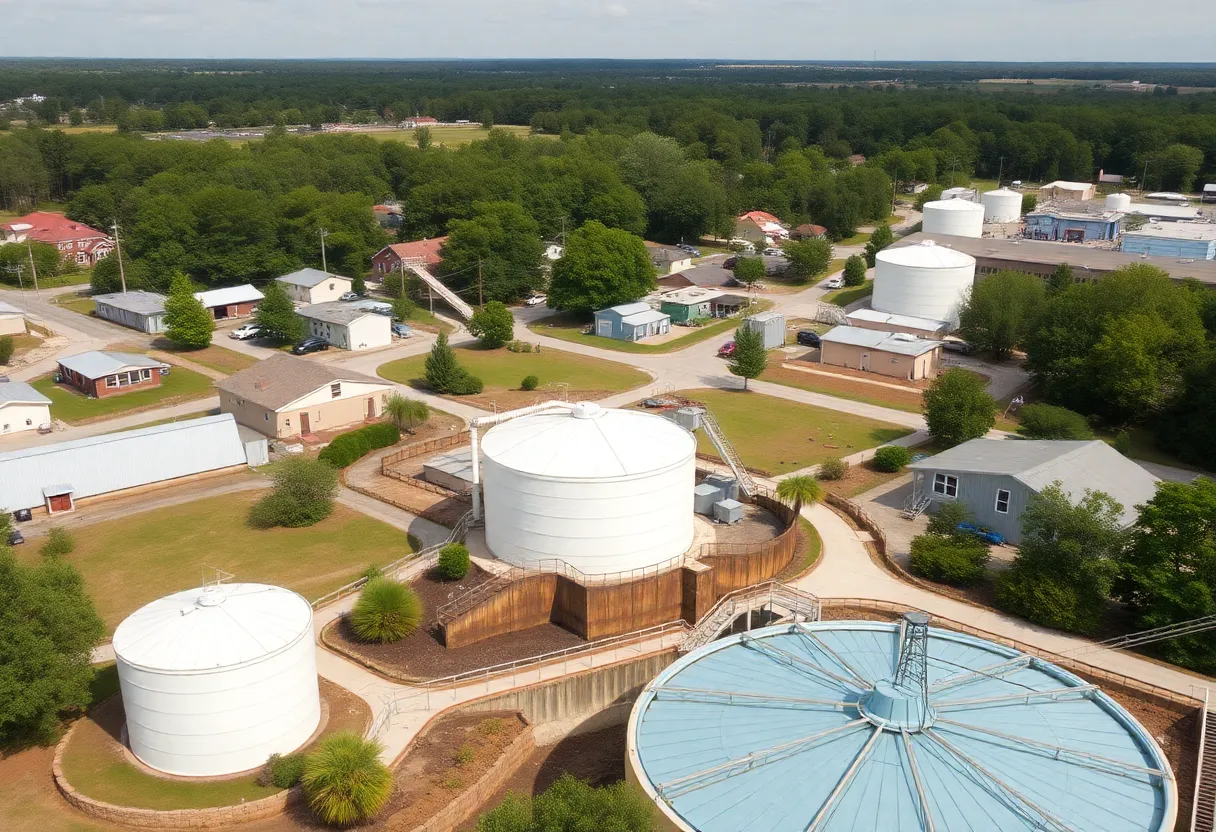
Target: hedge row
x: 347, y: 448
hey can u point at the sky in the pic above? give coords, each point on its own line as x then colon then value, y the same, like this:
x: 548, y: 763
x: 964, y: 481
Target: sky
x: 977, y: 30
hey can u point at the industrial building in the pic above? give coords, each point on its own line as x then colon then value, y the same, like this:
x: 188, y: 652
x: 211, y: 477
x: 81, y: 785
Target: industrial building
x: 144, y: 311
x: 1173, y: 240
x: 12, y: 319
x: 314, y: 286
x: 231, y: 301
x: 894, y: 354
x: 594, y: 489
x: 22, y: 408
x: 1072, y: 226
x: 876, y: 726
x: 347, y: 326
x: 100, y: 374
x: 954, y: 216
x: 56, y: 477
x: 886, y: 322
x: 214, y: 680
x: 1002, y: 205
x: 925, y: 280
x: 631, y: 322
x: 995, y: 478
x: 967, y: 194
x: 1060, y: 189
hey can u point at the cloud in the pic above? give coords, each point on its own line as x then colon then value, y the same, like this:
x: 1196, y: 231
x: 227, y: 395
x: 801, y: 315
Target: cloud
x: 617, y: 10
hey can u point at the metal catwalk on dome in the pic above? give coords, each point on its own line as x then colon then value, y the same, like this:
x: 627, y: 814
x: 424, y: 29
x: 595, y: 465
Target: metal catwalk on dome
x: 871, y: 726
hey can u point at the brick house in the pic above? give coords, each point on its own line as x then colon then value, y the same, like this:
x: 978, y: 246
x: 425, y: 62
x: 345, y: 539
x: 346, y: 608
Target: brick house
x: 76, y: 241
x: 100, y: 374
x: 426, y: 252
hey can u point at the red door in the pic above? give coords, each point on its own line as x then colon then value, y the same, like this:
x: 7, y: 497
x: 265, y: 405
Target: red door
x: 304, y: 426
x: 61, y: 502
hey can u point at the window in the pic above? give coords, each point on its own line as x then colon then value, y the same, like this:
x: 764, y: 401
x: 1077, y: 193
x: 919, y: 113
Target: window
x: 335, y: 390
x: 266, y: 417
x: 146, y: 375
x: 111, y: 381
x: 1002, y: 501
x: 945, y: 485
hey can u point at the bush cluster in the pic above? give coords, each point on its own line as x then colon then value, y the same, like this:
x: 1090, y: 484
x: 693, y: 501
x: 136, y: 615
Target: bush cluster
x: 833, y: 468
x: 304, y: 491
x: 385, y: 612
x: 891, y: 458
x: 959, y: 559
x: 453, y: 561
x: 1045, y: 421
x: 347, y: 448
x: 529, y: 383
x: 282, y: 770
x: 521, y: 346
x: 59, y: 541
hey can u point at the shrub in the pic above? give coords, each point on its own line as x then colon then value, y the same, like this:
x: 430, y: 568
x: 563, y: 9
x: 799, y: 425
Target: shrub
x: 529, y: 383
x: 1045, y: 421
x: 453, y: 561
x: 519, y: 346
x: 282, y: 770
x: 465, y: 755
x: 348, y: 448
x: 833, y: 468
x: 950, y: 559
x: 381, y: 435
x: 571, y: 804
x: 59, y: 541
x: 303, y: 494
x: 372, y: 571
x: 451, y: 783
x: 492, y: 324
x: 891, y: 458
x: 466, y: 384
x: 385, y: 612
x: 855, y: 270
x: 344, y: 780
x: 491, y: 727
x: 406, y: 413
x: 958, y: 408
x: 6, y: 349
x: 947, y: 517
x: 1123, y: 442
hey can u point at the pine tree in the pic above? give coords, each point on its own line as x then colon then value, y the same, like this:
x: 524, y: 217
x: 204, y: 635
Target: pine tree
x: 276, y: 315
x: 443, y: 372
x: 188, y: 324
x: 750, y: 359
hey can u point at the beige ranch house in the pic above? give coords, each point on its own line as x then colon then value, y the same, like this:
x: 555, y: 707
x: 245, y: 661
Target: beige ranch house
x: 284, y: 396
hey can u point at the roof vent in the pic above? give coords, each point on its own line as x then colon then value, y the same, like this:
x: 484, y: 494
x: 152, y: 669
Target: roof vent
x: 586, y: 410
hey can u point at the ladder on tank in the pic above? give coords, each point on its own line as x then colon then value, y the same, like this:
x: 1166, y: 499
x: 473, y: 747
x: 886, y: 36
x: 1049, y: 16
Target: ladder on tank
x: 727, y: 451
x: 451, y: 298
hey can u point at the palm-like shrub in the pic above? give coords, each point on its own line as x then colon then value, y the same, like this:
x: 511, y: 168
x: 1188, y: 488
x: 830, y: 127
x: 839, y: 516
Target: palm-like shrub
x: 386, y: 611
x: 454, y: 561
x: 799, y: 490
x: 344, y: 780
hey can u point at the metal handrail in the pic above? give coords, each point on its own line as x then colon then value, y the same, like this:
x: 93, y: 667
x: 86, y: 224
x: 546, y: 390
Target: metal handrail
x: 1203, y: 736
x: 727, y: 608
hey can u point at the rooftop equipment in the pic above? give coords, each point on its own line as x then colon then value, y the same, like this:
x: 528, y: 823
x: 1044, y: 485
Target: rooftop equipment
x: 728, y: 511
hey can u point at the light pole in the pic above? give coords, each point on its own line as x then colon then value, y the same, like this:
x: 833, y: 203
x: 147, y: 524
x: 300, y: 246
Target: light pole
x: 324, y: 233
x: 122, y: 272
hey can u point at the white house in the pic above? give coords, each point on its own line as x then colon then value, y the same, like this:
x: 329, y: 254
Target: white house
x: 346, y: 326
x: 314, y: 286
x: 22, y: 407
x: 12, y: 320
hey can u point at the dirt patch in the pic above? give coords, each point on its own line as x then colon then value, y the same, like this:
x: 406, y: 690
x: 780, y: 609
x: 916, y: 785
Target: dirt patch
x: 847, y: 388
x: 450, y: 757
x: 863, y: 375
x: 858, y: 480
x: 758, y: 526
x: 597, y: 757
x: 421, y: 655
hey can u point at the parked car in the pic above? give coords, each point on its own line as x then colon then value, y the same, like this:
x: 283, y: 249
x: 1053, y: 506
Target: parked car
x: 246, y: 331
x: 310, y: 344
x: 402, y: 330
x: 729, y: 262
x: 957, y: 345
x: 808, y: 338
x: 726, y: 350
x: 349, y: 296
x: 536, y: 300
x: 690, y: 249
x: 15, y: 537
x: 836, y: 282
x: 773, y: 251
x: 986, y: 535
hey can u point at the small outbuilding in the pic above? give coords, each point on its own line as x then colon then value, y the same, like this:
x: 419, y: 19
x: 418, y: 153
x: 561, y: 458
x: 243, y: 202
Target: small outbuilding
x: 12, y: 319
x: 140, y: 310
x: 994, y: 478
x: 724, y: 306
x: 314, y: 286
x: 889, y: 322
x: 892, y: 354
x: 22, y: 407
x: 769, y: 324
x: 100, y: 374
x: 1061, y: 189
x: 809, y: 231
x: 347, y: 326
x: 1209, y: 193
x: 231, y: 301
x: 631, y: 322
x: 688, y: 304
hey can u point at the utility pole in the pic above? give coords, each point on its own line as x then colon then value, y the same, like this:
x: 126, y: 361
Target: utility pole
x: 122, y: 272
x: 324, y: 234
x: 16, y: 269
x: 481, y: 301
x: 29, y: 244
x: 1000, y: 172
x: 1144, y: 178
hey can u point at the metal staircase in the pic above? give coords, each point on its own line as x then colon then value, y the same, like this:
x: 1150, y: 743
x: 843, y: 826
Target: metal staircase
x: 468, y: 600
x: 780, y: 600
x: 727, y: 451
x: 915, y: 506
x: 1204, y: 818
x: 463, y: 309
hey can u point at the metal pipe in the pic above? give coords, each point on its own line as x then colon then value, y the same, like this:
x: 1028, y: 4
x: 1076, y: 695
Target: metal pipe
x: 483, y: 421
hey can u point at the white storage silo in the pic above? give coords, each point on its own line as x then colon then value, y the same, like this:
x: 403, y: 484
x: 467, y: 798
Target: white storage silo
x: 957, y: 217
x: 1118, y: 202
x: 215, y: 680
x: 1002, y: 205
x: 924, y: 281
x: 603, y: 490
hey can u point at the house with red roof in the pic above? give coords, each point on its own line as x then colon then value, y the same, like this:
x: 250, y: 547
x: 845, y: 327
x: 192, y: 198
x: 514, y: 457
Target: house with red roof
x: 76, y: 241
x: 419, y: 252
x: 759, y: 227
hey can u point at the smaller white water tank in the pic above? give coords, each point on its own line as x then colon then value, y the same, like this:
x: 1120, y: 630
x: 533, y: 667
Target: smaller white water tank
x: 1118, y: 202
x: 924, y: 281
x: 956, y: 217
x: 1002, y: 205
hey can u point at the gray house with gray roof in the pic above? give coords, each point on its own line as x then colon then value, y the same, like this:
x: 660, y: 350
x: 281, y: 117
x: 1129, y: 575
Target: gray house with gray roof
x: 994, y: 478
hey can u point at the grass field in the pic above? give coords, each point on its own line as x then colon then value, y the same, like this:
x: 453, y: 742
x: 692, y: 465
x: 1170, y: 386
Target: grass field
x: 858, y: 239
x: 450, y: 136
x: 183, y: 418
x: 850, y: 294
x: 501, y: 369
x: 77, y: 303
x: 570, y: 328
x: 216, y: 358
x: 74, y: 407
x: 779, y: 436
x: 127, y: 563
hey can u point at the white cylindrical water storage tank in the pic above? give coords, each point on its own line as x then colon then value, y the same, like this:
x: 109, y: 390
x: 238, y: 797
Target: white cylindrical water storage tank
x: 925, y: 281
x: 957, y: 217
x: 1002, y: 205
x: 216, y: 680
x: 603, y: 490
x: 1118, y: 202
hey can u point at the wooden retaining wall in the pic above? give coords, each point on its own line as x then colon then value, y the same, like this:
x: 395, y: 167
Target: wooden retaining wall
x: 527, y: 602
x: 423, y: 449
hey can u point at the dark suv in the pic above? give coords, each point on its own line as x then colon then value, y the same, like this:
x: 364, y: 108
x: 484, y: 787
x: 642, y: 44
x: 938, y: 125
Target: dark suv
x: 808, y: 338
x: 310, y: 344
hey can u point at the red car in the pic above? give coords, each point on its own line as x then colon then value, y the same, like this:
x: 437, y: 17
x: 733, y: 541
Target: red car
x: 726, y: 350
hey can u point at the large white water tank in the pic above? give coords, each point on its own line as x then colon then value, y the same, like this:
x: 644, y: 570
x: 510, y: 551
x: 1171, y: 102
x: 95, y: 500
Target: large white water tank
x: 1002, y: 205
x: 599, y: 489
x: 957, y: 217
x: 1118, y: 202
x: 216, y: 680
x: 924, y: 280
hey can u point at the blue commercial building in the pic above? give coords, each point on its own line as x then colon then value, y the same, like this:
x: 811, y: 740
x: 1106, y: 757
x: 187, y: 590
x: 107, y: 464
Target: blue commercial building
x: 1179, y: 240
x: 1072, y: 227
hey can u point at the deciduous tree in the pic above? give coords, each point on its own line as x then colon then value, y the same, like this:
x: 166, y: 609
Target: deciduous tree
x: 600, y: 267
x: 1002, y: 311
x: 880, y: 239
x: 277, y: 316
x: 855, y: 270
x: 493, y: 325
x: 748, y: 270
x: 957, y: 408
x: 808, y: 258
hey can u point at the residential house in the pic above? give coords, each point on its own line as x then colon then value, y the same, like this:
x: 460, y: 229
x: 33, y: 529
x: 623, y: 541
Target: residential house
x: 76, y: 241
x: 12, y: 319
x: 759, y: 228
x: 417, y: 121
x: 100, y: 374
x: 55, y: 478
x: 314, y: 286
x: 231, y: 301
x: 423, y: 253
x: 685, y: 305
x: 22, y: 407
x: 1060, y: 189
x: 809, y: 231
x: 631, y: 322
x: 909, y: 324
x: 857, y: 159
x: 284, y: 396
x: 140, y: 310
x: 892, y: 354
x: 346, y: 326
x: 668, y: 259
x: 995, y: 478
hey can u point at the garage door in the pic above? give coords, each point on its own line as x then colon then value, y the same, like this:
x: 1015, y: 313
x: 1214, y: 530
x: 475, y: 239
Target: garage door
x: 60, y: 502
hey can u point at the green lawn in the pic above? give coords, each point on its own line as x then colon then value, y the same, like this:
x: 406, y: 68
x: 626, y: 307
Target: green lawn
x: 503, y: 369
x: 570, y: 328
x: 858, y: 239
x: 779, y: 436
x: 849, y: 294
x: 128, y: 562
x: 77, y: 303
x: 841, y: 387
x: 74, y: 407
x: 1144, y: 448
x: 216, y: 358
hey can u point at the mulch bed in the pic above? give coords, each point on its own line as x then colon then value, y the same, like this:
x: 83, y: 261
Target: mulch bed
x: 421, y: 655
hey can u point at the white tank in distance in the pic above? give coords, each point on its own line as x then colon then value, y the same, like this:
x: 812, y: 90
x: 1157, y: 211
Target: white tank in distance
x: 956, y: 217
x: 925, y: 281
x: 1118, y: 202
x: 1002, y: 205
